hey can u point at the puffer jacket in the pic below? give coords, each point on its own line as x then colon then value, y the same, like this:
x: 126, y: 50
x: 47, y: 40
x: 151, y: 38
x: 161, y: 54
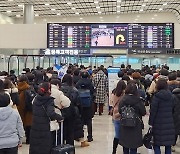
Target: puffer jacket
x: 11, y: 128
x: 60, y: 99
x: 161, y: 118
x: 176, y: 94
x: 173, y: 84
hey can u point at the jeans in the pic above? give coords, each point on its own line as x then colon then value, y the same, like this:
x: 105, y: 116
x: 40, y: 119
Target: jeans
x: 116, y: 128
x: 9, y: 151
x: 129, y: 151
x: 89, y: 128
x: 157, y: 149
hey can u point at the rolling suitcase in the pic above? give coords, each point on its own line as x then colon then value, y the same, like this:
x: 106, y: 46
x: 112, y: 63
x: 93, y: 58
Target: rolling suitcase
x: 63, y: 149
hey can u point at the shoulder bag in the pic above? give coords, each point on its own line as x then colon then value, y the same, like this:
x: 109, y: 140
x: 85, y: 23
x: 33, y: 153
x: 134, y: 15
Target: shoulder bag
x: 54, y: 125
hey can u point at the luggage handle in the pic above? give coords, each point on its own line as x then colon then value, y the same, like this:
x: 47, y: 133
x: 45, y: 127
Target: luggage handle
x: 61, y: 123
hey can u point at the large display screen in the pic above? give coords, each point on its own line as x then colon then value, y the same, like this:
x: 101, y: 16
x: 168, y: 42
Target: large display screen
x: 151, y: 36
x: 69, y: 36
x: 132, y: 36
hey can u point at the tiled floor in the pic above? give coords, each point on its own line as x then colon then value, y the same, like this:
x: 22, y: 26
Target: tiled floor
x: 103, y: 135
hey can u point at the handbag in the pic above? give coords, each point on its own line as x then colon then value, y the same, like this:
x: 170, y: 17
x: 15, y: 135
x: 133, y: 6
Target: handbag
x: 54, y: 125
x: 148, y: 139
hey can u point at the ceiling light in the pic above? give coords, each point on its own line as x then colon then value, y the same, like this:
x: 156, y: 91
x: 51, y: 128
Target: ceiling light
x: 53, y: 9
x: 141, y: 10
x: 155, y: 15
x: 97, y: 7
x: 9, y: 11
x: 69, y: 3
x: 160, y: 9
x: 18, y: 15
x: 35, y: 23
x: 10, y: 0
x: 165, y: 4
x: 58, y: 14
x: 99, y: 12
x: 118, y: 6
x: 96, y: 2
x: 77, y: 13
x: 47, y: 4
x: 20, y: 5
x: 36, y: 15
x: 81, y: 18
x: 143, y: 5
x: 83, y: 21
x: 101, y: 17
x: 118, y: 1
x: 138, y: 16
x: 73, y: 8
x: 152, y: 18
x: 136, y: 19
x: 118, y: 11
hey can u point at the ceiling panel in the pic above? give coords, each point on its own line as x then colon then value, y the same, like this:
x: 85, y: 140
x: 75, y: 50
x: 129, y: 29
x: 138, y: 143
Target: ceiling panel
x: 12, y: 8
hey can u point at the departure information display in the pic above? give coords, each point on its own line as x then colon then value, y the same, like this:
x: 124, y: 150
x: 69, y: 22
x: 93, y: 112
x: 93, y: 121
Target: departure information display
x: 151, y: 36
x: 76, y: 36
x: 122, y: 35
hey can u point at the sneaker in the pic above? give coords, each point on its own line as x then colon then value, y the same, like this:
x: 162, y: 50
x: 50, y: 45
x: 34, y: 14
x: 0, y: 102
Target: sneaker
x: 173, y: 149
x: 84, y: 144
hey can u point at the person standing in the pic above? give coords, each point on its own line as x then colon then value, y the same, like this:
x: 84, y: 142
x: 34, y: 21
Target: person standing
x: 100, y: 82
x: 131, y: 137
x: 41, y: 138
x: 26, y: 116
x: 117, y: 95
x: 87, y: 112
x: 11, y: 127
x: 161, y: 117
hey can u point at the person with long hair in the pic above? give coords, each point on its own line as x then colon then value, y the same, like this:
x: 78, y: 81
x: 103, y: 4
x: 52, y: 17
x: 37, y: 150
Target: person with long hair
x: 41, y: 138
x: 117, y: 95
x: 131, y: 137
x: 161, y: 117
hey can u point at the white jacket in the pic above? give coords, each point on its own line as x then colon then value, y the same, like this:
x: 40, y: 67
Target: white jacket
x: 60, y: 99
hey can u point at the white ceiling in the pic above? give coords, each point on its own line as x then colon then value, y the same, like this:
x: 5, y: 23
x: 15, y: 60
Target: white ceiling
x: 13, y: 8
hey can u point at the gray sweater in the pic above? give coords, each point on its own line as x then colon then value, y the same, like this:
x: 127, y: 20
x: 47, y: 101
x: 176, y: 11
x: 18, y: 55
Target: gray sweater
x: 11, y: 128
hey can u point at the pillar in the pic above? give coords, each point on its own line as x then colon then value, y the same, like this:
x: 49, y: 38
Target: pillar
x: 28, y: 14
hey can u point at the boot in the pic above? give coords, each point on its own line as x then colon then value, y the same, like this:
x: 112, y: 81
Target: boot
x: 115, y: 145
x: 84, y: 144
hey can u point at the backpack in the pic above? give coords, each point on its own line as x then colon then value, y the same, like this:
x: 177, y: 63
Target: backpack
x: 85, y: 97
x: 15, y: 98
x: 29, y: 96
x: 69, y: 112
x: 128, y: 116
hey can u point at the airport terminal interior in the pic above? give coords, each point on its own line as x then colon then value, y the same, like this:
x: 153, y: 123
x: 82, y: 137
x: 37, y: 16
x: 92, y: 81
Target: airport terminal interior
x: 127, y: 36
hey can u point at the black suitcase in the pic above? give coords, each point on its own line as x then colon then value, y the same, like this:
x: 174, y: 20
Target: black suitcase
x: 63, y: 149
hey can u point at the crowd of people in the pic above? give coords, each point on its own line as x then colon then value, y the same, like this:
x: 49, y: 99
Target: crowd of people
x: 29, y: 102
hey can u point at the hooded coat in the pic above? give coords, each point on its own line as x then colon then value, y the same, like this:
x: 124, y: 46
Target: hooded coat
x: 161, y: 118
x: 11, y: 128
x: 41, y: 139
x: 131, y: 137
x: 176, y: 94
x: 25, y: 115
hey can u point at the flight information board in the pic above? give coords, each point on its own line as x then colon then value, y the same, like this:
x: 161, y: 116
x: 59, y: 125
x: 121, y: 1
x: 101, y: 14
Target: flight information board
x: 69, y: 36
x: 110, y: 35
x: 151, y: 36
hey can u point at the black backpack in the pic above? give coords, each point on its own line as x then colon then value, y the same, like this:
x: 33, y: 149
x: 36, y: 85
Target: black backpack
x: 15, y: 98
x: 29, y: 96
x: 128, y: 116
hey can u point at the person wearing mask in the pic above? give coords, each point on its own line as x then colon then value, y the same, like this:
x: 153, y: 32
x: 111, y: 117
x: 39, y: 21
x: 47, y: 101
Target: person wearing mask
x: 87, y: 112
x: 100, y: 82
x: 73, y: 127
x: 117, y: 95
x: 161, y: 118
x: 131, y: 137
x: 11, y: 127
x: 26, y: 116
x: 41, y: 138
x: 176, y: 95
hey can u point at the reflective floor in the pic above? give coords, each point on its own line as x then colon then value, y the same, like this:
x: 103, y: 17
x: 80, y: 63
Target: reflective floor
x: 103, y: 133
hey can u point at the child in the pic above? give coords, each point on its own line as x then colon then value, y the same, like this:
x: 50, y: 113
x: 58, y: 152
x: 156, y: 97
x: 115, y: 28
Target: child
x: 11, y: 127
